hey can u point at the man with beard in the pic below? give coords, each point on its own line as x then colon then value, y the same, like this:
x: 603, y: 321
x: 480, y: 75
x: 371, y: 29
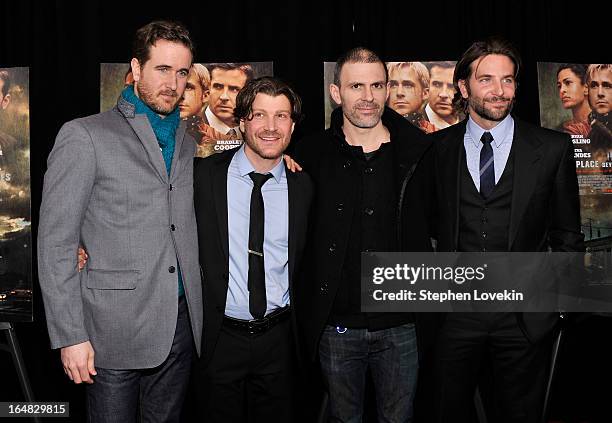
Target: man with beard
x: 120, y: 183
x: 439, y: 110
x: 370, y: 196
x: 502, y: 185
x: 252, y: 226
x: 599, y: 81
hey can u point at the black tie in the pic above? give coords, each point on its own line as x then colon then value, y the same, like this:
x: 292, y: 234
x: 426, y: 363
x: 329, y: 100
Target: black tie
x: 257, y: 277
x: 487, y: 169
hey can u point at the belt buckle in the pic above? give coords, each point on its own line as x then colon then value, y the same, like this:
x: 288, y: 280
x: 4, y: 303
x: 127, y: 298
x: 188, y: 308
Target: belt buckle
x: 258, y: 326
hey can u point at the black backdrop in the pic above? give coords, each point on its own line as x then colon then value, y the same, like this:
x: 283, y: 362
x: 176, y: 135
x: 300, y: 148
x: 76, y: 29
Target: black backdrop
x: 64, y: 42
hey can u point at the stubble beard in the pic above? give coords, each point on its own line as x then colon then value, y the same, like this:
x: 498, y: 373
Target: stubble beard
x: 150, y: 99
x: 369, y: 122
x: 480, y: 108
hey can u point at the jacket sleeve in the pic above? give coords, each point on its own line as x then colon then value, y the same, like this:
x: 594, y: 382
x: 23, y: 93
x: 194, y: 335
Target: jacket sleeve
x: 67, y: 188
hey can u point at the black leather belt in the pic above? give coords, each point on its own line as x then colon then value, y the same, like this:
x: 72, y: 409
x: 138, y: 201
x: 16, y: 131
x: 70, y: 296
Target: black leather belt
x: 253, y: 327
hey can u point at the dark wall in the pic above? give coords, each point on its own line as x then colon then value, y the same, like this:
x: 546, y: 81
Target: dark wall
x: 63, y: 43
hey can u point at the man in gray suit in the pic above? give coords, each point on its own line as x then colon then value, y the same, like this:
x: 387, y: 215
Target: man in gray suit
x: 126, y: 325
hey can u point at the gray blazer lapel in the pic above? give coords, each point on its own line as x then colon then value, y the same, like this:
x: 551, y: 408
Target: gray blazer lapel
x: 526, y: 155
x: 178, y: 143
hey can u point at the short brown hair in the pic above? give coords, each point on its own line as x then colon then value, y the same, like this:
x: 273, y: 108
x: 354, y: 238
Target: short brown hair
x: 479, y: 49
x: 270, y: 86
x: 357, y: 55
x: 148, y: 35
x: 245, y: 68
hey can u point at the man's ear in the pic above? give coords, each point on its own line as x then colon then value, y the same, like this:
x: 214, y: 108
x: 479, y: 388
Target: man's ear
x: 5, y: 102
x: 241, y: 125
x: 463, y: 88
x: 334, y: 91
x: 135, y: 65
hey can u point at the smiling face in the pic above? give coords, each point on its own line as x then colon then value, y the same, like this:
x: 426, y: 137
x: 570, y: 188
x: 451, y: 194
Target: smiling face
x: 572, y: 91
x: 268, y: 129
x: 600, y: 91
x: 160, y: 81
x: 490, y: 89
x: 224, y: 87
x: 362, y: 93
x: 406, y: 95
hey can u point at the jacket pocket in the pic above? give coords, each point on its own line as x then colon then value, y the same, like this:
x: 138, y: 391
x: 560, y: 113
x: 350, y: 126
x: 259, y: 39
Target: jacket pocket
x: 112, y: 279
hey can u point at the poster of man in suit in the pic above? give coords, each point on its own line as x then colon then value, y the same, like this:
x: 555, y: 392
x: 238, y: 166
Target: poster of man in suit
x: 422, y: 92
x: 208, y: 102
x: 15, y: 220
x: 576, y: 98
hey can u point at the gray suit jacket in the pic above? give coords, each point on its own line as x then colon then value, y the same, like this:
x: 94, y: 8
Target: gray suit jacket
x: 107, y: 188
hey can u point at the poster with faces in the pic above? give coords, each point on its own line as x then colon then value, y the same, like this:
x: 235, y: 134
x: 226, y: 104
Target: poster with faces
x: 422, y: 92
x: 15, y: 218
x: 576, y: 99
x: 207, y: 104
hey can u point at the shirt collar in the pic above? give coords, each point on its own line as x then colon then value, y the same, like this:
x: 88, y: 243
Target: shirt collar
x: 245, y: 167
x: 217, y: 123
x: 500, y: 132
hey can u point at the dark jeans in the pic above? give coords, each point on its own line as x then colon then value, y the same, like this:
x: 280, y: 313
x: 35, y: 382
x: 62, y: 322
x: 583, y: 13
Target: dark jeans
x: 156, y: 395
x: 391, y: 354
x: 518, y: 368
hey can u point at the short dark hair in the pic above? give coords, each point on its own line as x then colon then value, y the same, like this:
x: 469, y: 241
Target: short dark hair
x: 266, y: 85
x: 479, y: 49
x: 148, y: 35
x: 245, y: 68
x: 357, y: 55
x: 577, y: 69
x: 6, y: 79
x: 444, y: 65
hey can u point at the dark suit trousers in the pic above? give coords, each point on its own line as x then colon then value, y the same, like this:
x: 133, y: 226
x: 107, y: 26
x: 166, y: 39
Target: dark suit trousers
x: 471, y: 345
x: 249, y: 377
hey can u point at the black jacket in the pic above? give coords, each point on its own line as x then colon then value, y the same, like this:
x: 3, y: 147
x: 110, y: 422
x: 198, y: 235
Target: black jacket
x: 324, y: 157
x: 210, y: 200
x: 545, y: 211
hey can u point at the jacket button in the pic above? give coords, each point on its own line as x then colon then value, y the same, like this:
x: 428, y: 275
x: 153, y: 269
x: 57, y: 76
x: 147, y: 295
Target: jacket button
x: 340, y: 207
x: 347, y: 164
x: 369, y: 211
x: 484, y: 235
x: 172, y: 269
x: 170, y: 187
x: 332, y: 247
x: 323, y: 286
x: 369, y: 170
x: 172, y: 227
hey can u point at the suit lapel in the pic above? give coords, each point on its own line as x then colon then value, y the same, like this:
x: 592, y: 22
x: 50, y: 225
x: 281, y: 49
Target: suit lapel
x: 178, y: 143
x: 452, y: 154
x: 526, y: 156
x: 219, y: 185
x: 140, y: 124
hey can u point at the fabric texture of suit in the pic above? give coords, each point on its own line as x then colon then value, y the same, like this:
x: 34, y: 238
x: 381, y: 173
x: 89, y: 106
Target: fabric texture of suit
x: 210, y: 189
x: 107, y: 189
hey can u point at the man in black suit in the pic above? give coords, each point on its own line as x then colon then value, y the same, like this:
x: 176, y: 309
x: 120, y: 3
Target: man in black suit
x: 502, y: 185
x: 252, y: 221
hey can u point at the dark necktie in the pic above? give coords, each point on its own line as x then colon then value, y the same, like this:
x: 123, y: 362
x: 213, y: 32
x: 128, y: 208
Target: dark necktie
x: 257, y: 277
x: 487, y: 169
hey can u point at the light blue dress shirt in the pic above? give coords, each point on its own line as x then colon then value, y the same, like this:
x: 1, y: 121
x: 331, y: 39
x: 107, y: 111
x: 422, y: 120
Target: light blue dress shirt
x: 276, y: 236
x: 502, y: 134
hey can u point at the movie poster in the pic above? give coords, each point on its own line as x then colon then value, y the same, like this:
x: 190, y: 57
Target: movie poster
x: 422, y: 92
x: 15, y: 220
x: 208, y: 102
x: 576, y: 99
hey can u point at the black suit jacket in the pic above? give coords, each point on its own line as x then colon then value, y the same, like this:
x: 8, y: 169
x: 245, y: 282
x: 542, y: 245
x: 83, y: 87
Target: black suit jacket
x: 545, y: 211
x: 210, y: 197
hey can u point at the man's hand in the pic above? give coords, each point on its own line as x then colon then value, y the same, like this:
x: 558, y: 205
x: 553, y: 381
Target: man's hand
x: 292, y: 165
x: 82, y: 257
x: 78, y: 361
